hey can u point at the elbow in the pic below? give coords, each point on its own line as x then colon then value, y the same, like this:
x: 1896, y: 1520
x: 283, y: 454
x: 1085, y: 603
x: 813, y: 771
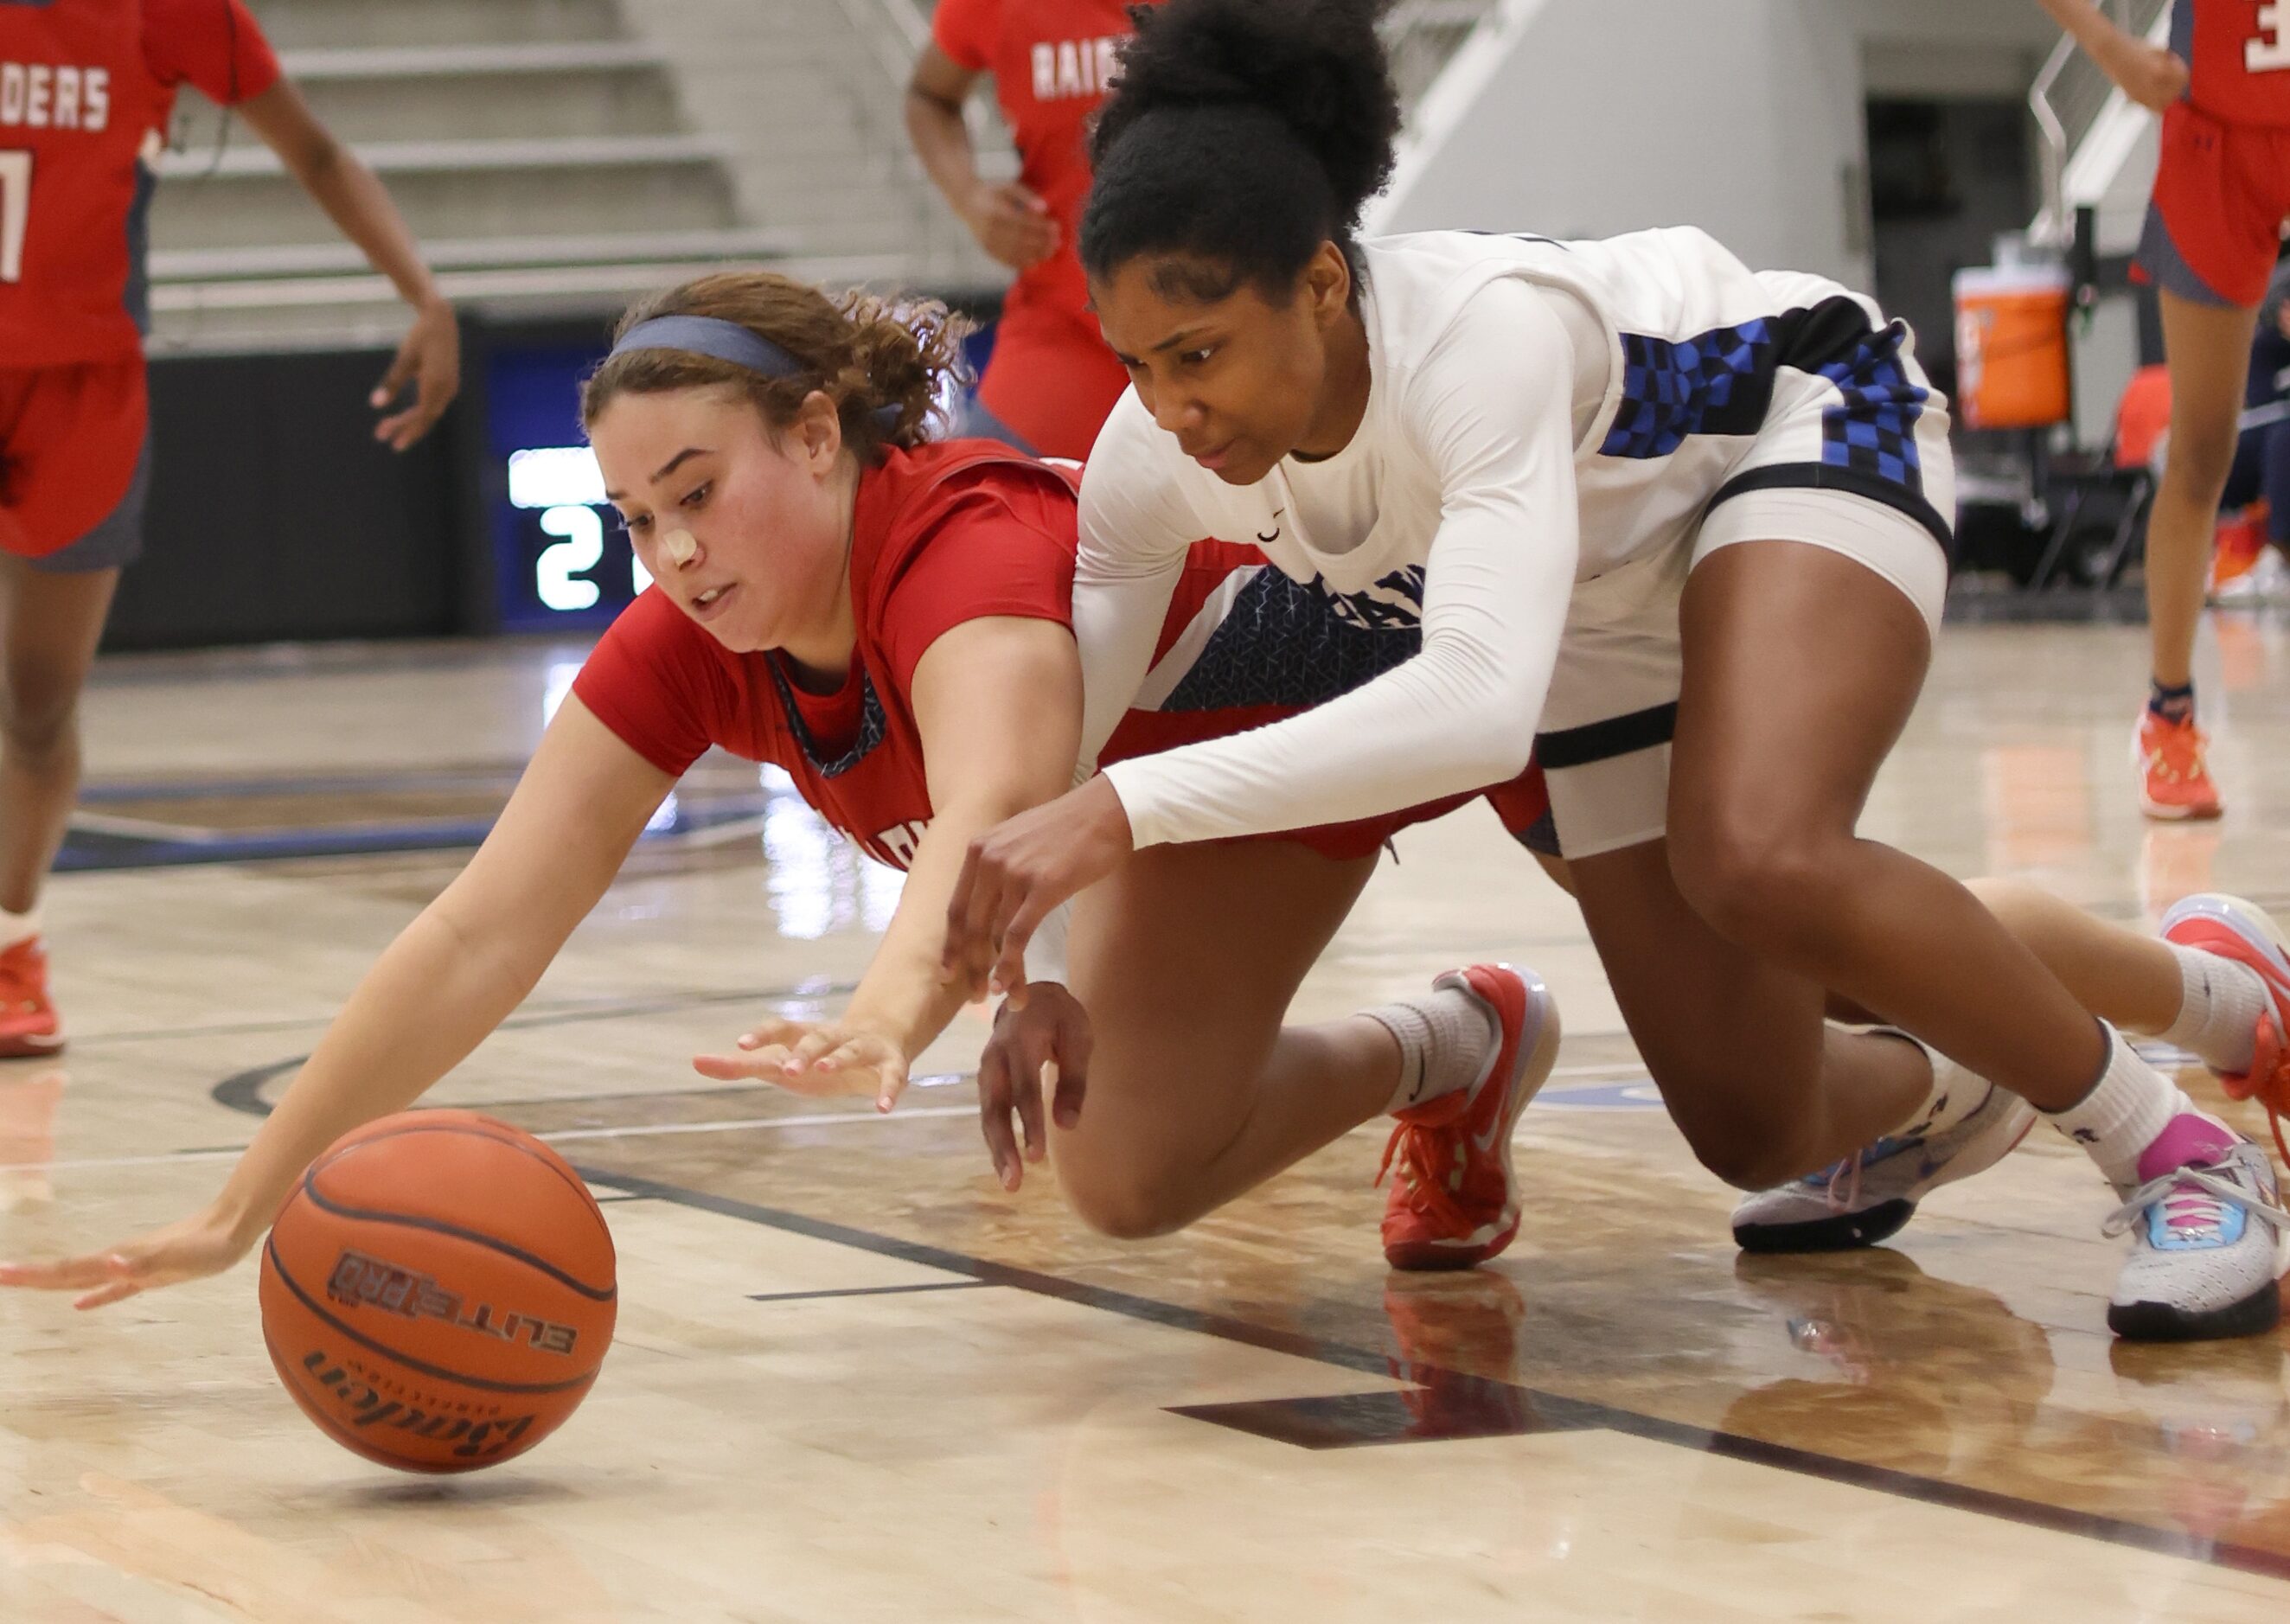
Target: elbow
x: 1496, y: 703
x: 1496, y: 754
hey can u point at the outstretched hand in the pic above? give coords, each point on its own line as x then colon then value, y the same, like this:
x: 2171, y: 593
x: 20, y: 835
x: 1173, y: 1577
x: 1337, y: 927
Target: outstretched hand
x: 1017, y: 874
x: 189, y: 1249
x: 818, y: 1058
x: 1041, y: 1043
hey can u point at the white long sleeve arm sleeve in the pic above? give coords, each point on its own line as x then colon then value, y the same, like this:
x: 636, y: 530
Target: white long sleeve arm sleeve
x: 1492, y: 407
x: 1134, y: 537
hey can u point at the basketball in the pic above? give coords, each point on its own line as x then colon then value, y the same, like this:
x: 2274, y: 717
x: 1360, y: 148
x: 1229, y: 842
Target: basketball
x: 439, y: 1291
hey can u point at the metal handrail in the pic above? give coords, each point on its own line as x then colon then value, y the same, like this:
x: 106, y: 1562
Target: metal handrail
x: 2068, y: 100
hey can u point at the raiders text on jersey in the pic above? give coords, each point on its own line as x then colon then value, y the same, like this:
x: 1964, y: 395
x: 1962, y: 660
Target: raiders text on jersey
x: 45, y: 96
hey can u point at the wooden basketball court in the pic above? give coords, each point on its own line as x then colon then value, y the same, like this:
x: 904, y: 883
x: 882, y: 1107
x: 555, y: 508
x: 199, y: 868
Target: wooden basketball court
x: 854, y: 1380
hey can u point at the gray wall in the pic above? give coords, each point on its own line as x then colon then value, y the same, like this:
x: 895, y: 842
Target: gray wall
x: 1741, y: 117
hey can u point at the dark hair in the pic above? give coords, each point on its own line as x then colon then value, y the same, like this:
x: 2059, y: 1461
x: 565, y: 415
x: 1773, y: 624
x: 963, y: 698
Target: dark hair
x: 866, y: 353
x: 1241, y: 135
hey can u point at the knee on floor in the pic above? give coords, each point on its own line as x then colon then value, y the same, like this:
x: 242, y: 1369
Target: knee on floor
x: 1126, y: 1205
x: 1753, y: 1160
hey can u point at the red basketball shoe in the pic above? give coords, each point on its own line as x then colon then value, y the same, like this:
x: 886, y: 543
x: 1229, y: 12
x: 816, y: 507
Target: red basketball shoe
x: 2173, y: 780
x: 28, y: 1023
x: 1455, y: 1200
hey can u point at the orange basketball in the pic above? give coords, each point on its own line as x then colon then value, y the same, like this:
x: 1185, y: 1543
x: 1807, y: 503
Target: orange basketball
x: 439, y: 1291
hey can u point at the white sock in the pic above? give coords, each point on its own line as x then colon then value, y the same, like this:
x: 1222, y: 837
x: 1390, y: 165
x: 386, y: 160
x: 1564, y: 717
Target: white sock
x: 2221, y: 1001
x: 15, y: 927
x: 1445, y: 1039
x: 1956, y: 1093
x: 2125, y: 1111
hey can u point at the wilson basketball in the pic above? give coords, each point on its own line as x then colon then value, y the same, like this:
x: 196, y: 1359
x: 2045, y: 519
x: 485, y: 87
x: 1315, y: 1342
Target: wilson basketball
x: 439, y: 1291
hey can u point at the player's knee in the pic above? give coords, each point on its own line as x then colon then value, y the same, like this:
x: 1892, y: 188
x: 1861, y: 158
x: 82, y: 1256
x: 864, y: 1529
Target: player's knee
x: 38, y: 715
x: 1124, y: 1207
x: 2200, y: 461
x: 1747, y: 1155
x: 1758, y: 883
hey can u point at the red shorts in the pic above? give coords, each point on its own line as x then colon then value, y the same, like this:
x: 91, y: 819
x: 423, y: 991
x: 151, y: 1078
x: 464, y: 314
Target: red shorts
x: 1051, y: 380
x: 2222, y: 195
x: 71, y: 451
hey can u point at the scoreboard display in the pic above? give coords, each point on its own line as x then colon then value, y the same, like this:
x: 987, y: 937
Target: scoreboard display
x: 560, y: 559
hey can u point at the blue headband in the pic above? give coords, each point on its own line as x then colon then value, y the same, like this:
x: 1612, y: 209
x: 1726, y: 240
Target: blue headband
x: 723, y: 340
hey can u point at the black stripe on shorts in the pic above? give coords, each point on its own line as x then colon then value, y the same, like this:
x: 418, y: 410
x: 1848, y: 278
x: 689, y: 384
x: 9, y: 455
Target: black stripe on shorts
x: 1625, y: 735
x: 1856, y: 482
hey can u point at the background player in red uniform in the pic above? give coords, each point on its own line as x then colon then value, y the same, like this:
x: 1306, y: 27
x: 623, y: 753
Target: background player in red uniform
x: 87, y: 88
x: 2213, y: 226
x: 1051, y: 379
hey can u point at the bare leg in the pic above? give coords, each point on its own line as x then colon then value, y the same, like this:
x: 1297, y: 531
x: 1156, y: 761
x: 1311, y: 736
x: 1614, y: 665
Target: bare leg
x: 1800, y: 669
x: 2124, y: 977
x: 2207, y: 348
x: 1186, y: 959
x: 51, y: 624
x: 1762, y: 1089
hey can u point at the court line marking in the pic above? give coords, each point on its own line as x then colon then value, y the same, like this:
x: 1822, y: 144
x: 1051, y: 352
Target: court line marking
x: 1592, y: 1414
x: 653, y: 1130
x: 871, y: 1291
x: 547, y: 1013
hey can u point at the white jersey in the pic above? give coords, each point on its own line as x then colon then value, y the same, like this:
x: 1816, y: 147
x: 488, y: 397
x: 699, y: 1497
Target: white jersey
x: 1539, y: 413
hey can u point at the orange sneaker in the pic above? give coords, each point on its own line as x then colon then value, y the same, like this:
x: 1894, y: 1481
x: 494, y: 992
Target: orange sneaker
x: 28, y: 1023
x: 2240, y: 544
x: 2174, y: 782
x: 1454, y: 1202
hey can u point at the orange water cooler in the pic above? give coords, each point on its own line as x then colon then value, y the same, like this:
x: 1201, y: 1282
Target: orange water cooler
x: 2011, y: 346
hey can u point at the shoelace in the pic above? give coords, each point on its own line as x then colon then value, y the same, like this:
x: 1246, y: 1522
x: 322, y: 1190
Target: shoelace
x: 1415, y: 1150
x: 2198, y: 1207
x: 1847, y: 1173
x: 2268, y: 1080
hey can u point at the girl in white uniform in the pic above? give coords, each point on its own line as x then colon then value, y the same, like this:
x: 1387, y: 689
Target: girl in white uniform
x: 1679, y: 527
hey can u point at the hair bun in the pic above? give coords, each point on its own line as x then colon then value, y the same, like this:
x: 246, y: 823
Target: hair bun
x: 1319, y: 66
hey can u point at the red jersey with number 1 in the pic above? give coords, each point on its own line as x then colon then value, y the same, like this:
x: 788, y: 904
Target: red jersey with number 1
x: 2237, y: 56
x: 87, y: 91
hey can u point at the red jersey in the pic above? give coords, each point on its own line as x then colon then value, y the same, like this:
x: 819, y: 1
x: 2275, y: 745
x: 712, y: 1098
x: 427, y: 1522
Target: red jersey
x: 87, y: 88
x: 1051, y: 60
x: 942, y: 534
x: 2237, y: 57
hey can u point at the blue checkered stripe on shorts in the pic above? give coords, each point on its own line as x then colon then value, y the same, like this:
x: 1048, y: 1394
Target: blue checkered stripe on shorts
x: 1673, y: 388
x: 1874, y: 429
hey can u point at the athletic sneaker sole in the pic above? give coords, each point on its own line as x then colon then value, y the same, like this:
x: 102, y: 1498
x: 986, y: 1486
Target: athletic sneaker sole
x: 1869, y: 1225
x: 1845, y: 1232
x: 2158, y: 1322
